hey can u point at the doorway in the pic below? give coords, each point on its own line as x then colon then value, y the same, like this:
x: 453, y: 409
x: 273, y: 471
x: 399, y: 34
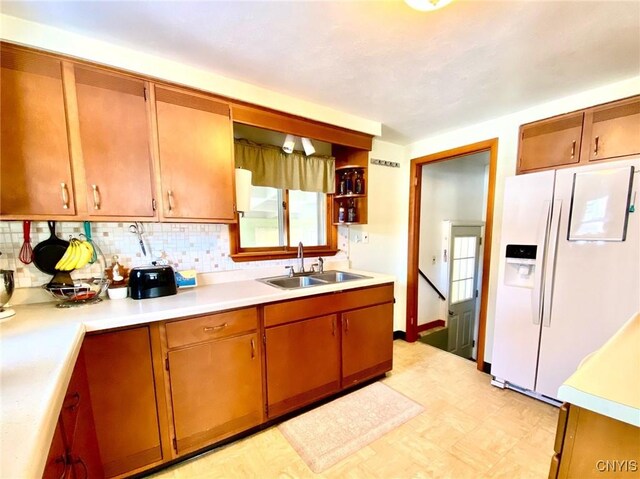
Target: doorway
x: 464, y: 316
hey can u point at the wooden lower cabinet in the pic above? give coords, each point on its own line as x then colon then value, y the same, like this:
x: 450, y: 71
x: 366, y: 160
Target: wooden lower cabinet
x: 74, y: 450
x: 590, y: 445
x: 123, y: 398
x: 146, y: 395
x: 216, y: 390
x: 308, y: 358
x: 367, y: 343
x: 303, y: 363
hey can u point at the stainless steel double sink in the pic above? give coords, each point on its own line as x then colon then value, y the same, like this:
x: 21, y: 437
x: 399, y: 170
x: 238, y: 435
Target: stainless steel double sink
x: 312, y: 279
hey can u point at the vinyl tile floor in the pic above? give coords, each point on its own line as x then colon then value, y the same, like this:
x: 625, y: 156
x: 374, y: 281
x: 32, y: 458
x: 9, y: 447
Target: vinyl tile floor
x: 469, y: 429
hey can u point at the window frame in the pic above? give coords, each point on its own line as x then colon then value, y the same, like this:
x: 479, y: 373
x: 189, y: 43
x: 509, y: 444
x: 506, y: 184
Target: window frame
x: 239, y: 254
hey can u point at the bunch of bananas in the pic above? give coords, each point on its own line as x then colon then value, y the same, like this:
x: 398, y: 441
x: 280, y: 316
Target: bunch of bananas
x: 77, y: 255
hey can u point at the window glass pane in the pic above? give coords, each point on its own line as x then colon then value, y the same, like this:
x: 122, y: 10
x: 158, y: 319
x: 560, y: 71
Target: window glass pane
x: 307, y: 218
x: 456, y: 270
x: 457, y: 245
x: 263, y: 225
x: 468, y: 293
x: 454, y: 292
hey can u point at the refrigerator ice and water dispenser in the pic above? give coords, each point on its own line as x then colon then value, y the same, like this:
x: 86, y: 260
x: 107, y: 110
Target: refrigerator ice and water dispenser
x: 520, y: 265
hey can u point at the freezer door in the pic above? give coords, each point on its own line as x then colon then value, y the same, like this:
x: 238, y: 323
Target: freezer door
x: 596, y: 288
x: 525, y: 223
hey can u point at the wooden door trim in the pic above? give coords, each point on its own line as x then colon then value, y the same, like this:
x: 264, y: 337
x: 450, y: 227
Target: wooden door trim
x: 414, y: 235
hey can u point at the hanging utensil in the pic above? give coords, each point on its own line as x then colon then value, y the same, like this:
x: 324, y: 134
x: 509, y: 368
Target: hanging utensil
x: 47, y: 253
x: 138, y: 229
x: 87, y: 234
x: 26, y: 252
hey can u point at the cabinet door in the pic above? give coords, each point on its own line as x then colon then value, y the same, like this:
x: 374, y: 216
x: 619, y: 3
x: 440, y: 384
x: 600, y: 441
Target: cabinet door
x: 196, y: 160
x: 35, y: 169
x: 615, y: 130
x: 56, y: 465
x: 550, y: 143
x: 123, y: 399
x: 303, y: 363
x: 216, y: 390
x: 77, y: 419
x: 367, y: 343
x: 114, y: 133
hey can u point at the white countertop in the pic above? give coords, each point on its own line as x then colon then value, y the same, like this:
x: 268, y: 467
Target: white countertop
x: 608, y: 381
x: 40, y: 344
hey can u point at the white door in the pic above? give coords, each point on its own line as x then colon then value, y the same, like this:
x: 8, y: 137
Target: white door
x: 463, y: 288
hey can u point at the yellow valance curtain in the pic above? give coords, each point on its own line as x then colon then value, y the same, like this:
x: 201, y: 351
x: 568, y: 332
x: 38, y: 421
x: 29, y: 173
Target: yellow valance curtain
x: 273, y: 167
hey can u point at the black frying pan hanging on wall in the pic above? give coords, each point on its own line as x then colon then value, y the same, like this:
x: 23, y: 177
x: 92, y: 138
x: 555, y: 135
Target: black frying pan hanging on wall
x: 47, y: 253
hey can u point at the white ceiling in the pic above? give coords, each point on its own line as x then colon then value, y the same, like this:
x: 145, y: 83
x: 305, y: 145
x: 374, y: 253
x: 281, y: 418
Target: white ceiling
x: 417, y: 73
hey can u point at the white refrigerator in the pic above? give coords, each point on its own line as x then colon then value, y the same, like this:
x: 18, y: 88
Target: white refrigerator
x: 569, y: 274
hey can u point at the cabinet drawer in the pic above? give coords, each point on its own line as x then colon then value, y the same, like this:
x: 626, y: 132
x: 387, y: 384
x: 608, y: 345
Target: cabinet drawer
x: 285, y: 312
x: 211, y: 326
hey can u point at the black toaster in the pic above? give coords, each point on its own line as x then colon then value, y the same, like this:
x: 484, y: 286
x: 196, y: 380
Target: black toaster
x: 152, y: 282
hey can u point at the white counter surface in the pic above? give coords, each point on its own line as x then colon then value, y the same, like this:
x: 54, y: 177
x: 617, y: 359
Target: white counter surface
x: 608, y: 381
x: 40, y: 344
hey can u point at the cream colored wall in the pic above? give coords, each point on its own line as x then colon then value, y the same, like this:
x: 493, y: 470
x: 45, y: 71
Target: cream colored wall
x: 388, y: 199
x: 61, y: 41
x: 506, y: 130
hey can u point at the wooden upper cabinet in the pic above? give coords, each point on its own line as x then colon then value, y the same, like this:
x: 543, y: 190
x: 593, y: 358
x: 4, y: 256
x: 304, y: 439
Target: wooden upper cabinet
x: 614, y: 130
x: 303, y: 363
x: 114, y: 135
x: 216, y: 390
x: 196, y: 157
x: 123, y: 399
x: 35, y: 168
x: 550, y: 143
x: 372, y: 327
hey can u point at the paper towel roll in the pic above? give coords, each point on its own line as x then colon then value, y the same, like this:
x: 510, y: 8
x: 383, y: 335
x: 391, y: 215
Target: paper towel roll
x: 243, y: 190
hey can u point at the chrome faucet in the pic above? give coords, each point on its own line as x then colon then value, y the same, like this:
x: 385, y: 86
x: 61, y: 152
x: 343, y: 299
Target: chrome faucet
x: 301, y: 256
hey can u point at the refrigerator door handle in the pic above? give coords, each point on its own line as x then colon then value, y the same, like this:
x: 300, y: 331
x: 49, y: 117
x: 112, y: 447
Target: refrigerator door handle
x: 550, y: 268
x: 543, y: 230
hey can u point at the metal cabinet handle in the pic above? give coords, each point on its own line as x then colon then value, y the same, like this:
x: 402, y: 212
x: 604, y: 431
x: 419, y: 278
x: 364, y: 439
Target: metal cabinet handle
x: 63, y: 460
x: 209, y: 329
x: 79, y: 460
x: 65, y: 195
x: 170, y: 198
x: 597, y: 145
x: 96, y: 197
x: 253, y: 348
x: 76, y: 401
x: 573, y: 149
x: 346, y: 325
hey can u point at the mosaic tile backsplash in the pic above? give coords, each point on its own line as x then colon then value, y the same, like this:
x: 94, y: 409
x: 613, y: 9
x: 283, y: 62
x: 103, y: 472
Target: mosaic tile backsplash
x: 202, y: 247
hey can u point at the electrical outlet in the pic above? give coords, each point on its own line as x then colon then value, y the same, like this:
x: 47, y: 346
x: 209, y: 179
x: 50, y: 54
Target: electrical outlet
x: 365, y: 237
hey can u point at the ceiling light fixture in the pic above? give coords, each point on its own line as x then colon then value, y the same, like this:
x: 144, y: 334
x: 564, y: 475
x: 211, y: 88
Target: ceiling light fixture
x: 289, y: 144
x: 427, y: 5
x: 308, y: 147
